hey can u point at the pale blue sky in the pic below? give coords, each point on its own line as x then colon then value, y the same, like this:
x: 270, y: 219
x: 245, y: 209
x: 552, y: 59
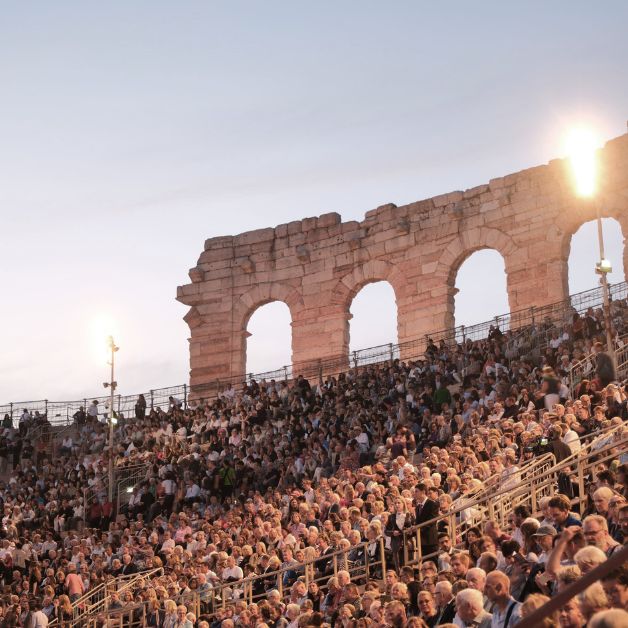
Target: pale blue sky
x: 130, y: 132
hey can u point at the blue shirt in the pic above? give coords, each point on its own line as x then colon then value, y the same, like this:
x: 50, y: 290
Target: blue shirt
x: 499, y: 618
x: 570, y: 521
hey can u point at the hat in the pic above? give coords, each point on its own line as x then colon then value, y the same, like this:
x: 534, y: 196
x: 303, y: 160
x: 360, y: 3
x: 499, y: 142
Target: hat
x: 545, y: 531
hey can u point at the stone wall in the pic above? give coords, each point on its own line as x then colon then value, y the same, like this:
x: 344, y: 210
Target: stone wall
x: 317, y: 265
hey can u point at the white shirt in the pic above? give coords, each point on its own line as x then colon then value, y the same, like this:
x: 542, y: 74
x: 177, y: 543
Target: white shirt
x: 499, y: 618
x: 168, y: 544
x: 38, y: 620
x: 517, y: 535
x: 572, y: 439
x: 193, y: 491
x: 232, y: 572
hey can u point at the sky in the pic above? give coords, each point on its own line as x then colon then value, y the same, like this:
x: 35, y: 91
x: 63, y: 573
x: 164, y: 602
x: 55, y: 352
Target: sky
x: 131, y: 132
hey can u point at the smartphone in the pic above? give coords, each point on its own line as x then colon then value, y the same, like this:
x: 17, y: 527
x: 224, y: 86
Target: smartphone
x: 520, y: 560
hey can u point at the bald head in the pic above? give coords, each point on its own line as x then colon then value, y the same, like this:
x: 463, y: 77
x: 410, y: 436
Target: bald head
x: 497, y: 587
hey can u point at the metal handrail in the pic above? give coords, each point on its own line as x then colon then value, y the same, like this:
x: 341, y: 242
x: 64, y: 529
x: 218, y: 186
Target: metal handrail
x: 496, y: 504
x: 125, y: 617
x: 122, y: 493
x: 121, y: 475
x: 585, y: 365
x: 537, y: 467
x: 616, y: 560
x: 500, y: 504
x: 514, y: 321
x: 621, y: 358
x: 339, y: 560
x: 527, y: 471
x: 96, y: 600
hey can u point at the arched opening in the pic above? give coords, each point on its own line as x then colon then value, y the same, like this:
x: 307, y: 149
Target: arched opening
x: 269, y: 338
x: 585, y: 253
x: 482, y: 291
x: 373, y: 322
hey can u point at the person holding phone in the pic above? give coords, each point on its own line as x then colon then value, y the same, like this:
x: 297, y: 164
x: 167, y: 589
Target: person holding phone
x: 518, y: 566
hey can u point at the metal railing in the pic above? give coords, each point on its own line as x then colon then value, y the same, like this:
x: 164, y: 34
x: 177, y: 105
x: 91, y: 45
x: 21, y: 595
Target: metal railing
x: 126, y: 482
x: 585, y: 368
x: 123, y: 477
x: 498, y: 506
x: 129, y: 616
x: 363, y: 561
x: 621, y: 358
x: 370, y: 559
x: 530, y: 320
x: 526, y: 472
x: 98, y: 599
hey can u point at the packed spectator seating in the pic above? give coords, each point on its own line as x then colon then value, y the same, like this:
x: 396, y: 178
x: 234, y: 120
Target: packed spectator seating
x: 296, y: 503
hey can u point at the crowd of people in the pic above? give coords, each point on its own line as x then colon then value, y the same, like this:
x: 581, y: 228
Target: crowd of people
x: 315, y: 480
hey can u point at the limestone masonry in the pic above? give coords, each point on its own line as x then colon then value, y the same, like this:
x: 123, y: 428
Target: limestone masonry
x: 317, y: 265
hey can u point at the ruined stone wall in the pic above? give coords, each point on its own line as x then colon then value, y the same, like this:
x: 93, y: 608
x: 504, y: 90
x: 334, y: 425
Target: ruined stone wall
x: 317, y: 265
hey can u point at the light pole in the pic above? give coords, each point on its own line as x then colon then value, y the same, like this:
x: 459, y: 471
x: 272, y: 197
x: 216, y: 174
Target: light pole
x: 603, y: 267
x: 112, y: 384
x: 582, y: 149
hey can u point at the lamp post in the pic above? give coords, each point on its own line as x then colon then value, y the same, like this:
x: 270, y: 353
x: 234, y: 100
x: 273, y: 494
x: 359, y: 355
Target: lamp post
x: 112, y: 384
x: 583, y: 158
x: 603, y: 267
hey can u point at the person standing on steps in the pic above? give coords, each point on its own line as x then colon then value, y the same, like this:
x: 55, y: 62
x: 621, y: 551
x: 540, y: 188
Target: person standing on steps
x: 604, y: 367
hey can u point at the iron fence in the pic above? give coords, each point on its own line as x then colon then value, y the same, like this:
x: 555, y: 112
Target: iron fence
x: 514, y: 323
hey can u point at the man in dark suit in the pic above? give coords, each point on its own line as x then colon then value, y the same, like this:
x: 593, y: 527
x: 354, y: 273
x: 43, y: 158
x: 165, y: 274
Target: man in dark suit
x: 604, y: 367
x: 129, y: 567
x: 445, y: 602
x: 426, y: 510
x: 324, y: 565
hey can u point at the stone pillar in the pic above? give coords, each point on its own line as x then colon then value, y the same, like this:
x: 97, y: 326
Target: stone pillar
x: 537, y: 272
x: 430, y: 310
x: 216, y: 355
x: 320, y: 339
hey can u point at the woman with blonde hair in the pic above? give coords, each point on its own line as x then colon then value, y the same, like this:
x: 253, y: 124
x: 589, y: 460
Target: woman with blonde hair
x: 568, y: 575
x: 170, y: 614
x: 534, y: 602
x: 154, y: 613
x: 592, y: 600
x: 589, y: 557
x: 64, y: 609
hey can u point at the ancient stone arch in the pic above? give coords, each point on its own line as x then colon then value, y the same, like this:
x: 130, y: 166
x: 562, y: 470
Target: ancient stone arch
x: 348, y: 286
x: 317, y: 265
x: 460, y: 249
x: 250, y: 301
x: 377, y: 270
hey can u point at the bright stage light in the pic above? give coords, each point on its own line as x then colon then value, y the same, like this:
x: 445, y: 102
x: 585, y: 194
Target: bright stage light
x: 101, y: 328
x: 581, y: 146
